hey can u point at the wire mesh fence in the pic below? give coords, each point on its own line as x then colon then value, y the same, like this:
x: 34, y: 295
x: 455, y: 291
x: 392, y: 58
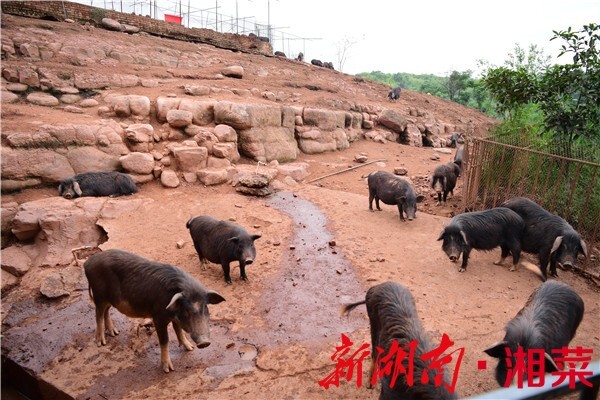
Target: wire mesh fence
x: 570, y: 188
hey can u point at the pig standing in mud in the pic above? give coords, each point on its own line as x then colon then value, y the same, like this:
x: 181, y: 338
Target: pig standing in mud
x: 548, y: 322
x: 547, y: 235
x: 483, y: 230
x: 141, y: 288
x: 393, y: 190
x: 222, y: 242
x: 444, y: 180
x: 393, y: 317
x: 97, y: 184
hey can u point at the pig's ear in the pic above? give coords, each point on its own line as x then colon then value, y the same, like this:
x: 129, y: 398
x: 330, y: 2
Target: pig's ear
x: 583, y: 248
x: 442, y: 235
x: 173, y: 304
x: 76, y: 188
x: 556, y: 244
x: 497, y: 350
x: 234, y: 239
x: 550, y: 364
x: 60, y: 189
x: 464, y: 236
x: 214, y: 298
x: 420, y: 198
x: 254, y: 237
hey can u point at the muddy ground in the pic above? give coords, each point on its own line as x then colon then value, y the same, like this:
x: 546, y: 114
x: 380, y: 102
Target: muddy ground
x: 287, y: 314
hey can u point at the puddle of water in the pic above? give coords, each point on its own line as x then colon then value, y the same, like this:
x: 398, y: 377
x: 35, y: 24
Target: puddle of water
x: 315, y: 279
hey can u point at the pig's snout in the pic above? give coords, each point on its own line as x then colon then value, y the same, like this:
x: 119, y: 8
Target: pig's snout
x: 203, y: 341
x: 67, y: 196
x: 248, y: 261
x: 453, y: 258
x: 410, y: 218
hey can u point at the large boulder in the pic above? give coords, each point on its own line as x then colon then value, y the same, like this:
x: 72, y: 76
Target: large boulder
x: 179, y: 118
x: 191, y: 159
x: 315, y: 141
x: 393, y: 120
x: 22, y: 164
x: 212, y: 176
x: 225, y: 133
x: 268, y: 143
x: 138, y: 163
x: 325, y: 120
x: 202, y: 111
x: 139, y: 137
x: 163, y: 105
x: 90, y: 159
x: 42, y: 99
x: 234, y: 71
x: 298, y: 171
x: 246, y: 116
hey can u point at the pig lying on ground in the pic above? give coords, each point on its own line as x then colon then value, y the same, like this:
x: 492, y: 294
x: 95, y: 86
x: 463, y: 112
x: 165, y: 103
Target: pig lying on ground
x: 141, y: 288
x: 547, y: 235
x: 393, y: 190
x: 548, y: 322
x: 97, y: 184
x: 483, y: 230
x: 222, y: 242
x: 393, y: 318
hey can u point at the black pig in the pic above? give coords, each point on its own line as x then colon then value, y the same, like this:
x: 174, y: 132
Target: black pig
x: 141, y: 288
x: 393, y: 317
x: 548, y: 321
x: 222, y: 242
x: 393, y: 190
x: 458, y: 157
x: 483, y: 230
x: 547, y: 235
x: 444, y: 180
x: 97, y: 184
x: 394, y: 94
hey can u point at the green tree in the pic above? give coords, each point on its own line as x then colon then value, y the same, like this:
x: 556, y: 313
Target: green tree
x: 457, y: 83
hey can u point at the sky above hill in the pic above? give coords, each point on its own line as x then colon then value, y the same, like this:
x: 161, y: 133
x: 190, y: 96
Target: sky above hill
x: 427, y: 36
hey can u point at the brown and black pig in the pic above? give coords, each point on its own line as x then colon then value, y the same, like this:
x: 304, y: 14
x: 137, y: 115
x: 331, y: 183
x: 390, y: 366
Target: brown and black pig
x: 222, y: 242
x: 393, y: 317
x: 393, y: 190
x: 97, y: 184
x: 141, y: 288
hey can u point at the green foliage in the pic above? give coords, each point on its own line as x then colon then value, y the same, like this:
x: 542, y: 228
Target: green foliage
x: 567, y: 96
x: 98, y: 14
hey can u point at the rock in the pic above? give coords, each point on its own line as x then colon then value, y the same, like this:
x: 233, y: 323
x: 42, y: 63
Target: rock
x: 288, y: 180
x: 90, y: 80
x: 8, y: 281
x: 180, y: 244
x: 191, y: 159
x: 53, y: 286
x: 73, y: 109
x: 214, y: 162
x: 169, y: 179
x: 260, y: 192
x: 42, y: 99
x: 69, y: 98
x: 368, y: 124
x: 7, y: 213
x: 251, y: 180
x: 400, y: 171
x: 15, y: 261
x: 361, y: 158
x: 87, y: 159
x: 443, y: 150
x: 234, y: 71
x: 179, y: 118
x: 298, y: 171
x: 17, y: 87
x: 434, y: 157
x: 226, y: 150
x: 8, y: 97
x: 138, y: 163
x: 148, y: 83
x: 196, y: 90
x: 225, y: 133
x: 139, y: 137
x: 163, y: 105
x: 325, y: 120
x: 111, y: 24
x: 212, y: 176
x: 414, y: 136
x: 130, y: 28
x: 268, y: 143
x: 203, y: 136
x: 29, y: 76
x: 189, y: 177
x: 23, y: 164
x: 393, y: 120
